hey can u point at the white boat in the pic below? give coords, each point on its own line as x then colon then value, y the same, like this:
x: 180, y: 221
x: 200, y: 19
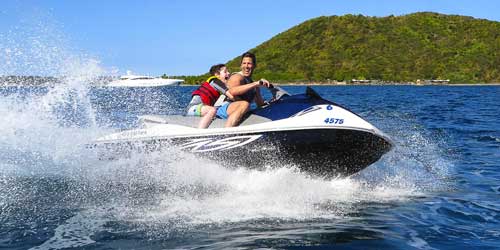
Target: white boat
x: 130, y: 80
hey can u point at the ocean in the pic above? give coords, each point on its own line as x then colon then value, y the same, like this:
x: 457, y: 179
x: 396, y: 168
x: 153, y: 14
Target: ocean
x: 439, y: 188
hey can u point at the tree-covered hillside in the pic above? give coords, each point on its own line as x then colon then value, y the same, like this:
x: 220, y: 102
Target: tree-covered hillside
x: 394, y: 48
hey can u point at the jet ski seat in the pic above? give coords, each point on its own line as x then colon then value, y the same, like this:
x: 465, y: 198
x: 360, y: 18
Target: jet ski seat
x: 146, y: 121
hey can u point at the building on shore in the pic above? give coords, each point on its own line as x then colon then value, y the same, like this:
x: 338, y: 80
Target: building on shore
x: 437, y: 81
x: 360, y: 81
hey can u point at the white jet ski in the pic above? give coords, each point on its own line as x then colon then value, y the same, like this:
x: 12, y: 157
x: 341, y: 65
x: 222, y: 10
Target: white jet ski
x: 318, y: 136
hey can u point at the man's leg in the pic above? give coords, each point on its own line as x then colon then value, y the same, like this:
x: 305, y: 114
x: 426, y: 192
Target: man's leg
x: 235, y: 112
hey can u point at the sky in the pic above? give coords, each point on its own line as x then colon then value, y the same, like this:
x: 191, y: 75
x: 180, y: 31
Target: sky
x: 182, y: 37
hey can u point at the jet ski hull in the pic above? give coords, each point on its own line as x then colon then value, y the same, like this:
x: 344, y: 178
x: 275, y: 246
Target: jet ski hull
x: 319, y: 152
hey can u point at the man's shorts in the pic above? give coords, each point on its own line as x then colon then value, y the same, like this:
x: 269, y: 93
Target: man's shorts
x: 194, y: 110
x: 222, y: 111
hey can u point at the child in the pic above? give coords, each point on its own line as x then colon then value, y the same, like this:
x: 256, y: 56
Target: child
x: 204, y: 98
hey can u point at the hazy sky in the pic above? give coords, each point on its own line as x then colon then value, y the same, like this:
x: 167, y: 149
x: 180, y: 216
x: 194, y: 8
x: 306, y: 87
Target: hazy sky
x: 184, y: 37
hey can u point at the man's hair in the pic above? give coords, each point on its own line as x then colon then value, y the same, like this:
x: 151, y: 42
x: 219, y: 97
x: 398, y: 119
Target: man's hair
x: 249, y: 54
x: 216, y: 68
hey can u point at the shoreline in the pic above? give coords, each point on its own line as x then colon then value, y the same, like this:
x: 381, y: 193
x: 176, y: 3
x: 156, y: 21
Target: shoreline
x: 48, y: 81
x: 52, y: 84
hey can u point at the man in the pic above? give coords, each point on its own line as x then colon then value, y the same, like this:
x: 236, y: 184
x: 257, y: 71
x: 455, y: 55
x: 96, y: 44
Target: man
x: 244, y: 90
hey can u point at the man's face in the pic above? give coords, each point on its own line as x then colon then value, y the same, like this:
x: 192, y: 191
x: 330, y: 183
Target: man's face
x: 247, y: 66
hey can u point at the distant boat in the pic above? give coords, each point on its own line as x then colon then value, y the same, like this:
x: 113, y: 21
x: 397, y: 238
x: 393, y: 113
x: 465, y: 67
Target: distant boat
x: 130, y: 80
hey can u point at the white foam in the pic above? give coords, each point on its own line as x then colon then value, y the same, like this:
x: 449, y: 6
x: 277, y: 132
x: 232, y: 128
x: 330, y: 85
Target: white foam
x: 204, y: 192
x: 33, y: 131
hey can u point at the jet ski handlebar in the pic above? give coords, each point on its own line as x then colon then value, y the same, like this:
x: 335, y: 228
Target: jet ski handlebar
x: 276, y: 91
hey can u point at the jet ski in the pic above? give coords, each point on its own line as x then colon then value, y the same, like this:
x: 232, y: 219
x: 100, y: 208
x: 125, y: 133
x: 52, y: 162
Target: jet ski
x: 319, y: 137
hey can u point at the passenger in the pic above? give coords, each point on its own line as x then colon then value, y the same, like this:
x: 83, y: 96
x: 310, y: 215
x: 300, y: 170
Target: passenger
x: 204, y: 98
x: 244, y: 90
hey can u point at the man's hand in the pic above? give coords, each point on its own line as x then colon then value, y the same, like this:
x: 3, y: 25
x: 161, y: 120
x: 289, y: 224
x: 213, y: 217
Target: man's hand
x: 265, y: 83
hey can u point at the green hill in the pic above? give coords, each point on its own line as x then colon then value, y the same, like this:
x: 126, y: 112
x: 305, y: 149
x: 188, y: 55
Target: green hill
x: 394, y: 48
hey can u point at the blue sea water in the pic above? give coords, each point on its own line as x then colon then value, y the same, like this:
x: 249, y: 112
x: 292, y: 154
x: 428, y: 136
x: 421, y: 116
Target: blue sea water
x: 439, y: 188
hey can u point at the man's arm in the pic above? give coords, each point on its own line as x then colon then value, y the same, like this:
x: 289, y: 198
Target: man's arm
x: 236, y: 86
x: 258, y: 98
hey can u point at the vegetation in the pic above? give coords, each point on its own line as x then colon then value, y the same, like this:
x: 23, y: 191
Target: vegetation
x: 190, y: 79
x: 395, y: 48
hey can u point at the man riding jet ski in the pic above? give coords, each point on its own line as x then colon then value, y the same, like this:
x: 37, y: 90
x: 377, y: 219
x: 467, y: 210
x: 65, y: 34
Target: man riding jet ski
x: 315, y: 135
